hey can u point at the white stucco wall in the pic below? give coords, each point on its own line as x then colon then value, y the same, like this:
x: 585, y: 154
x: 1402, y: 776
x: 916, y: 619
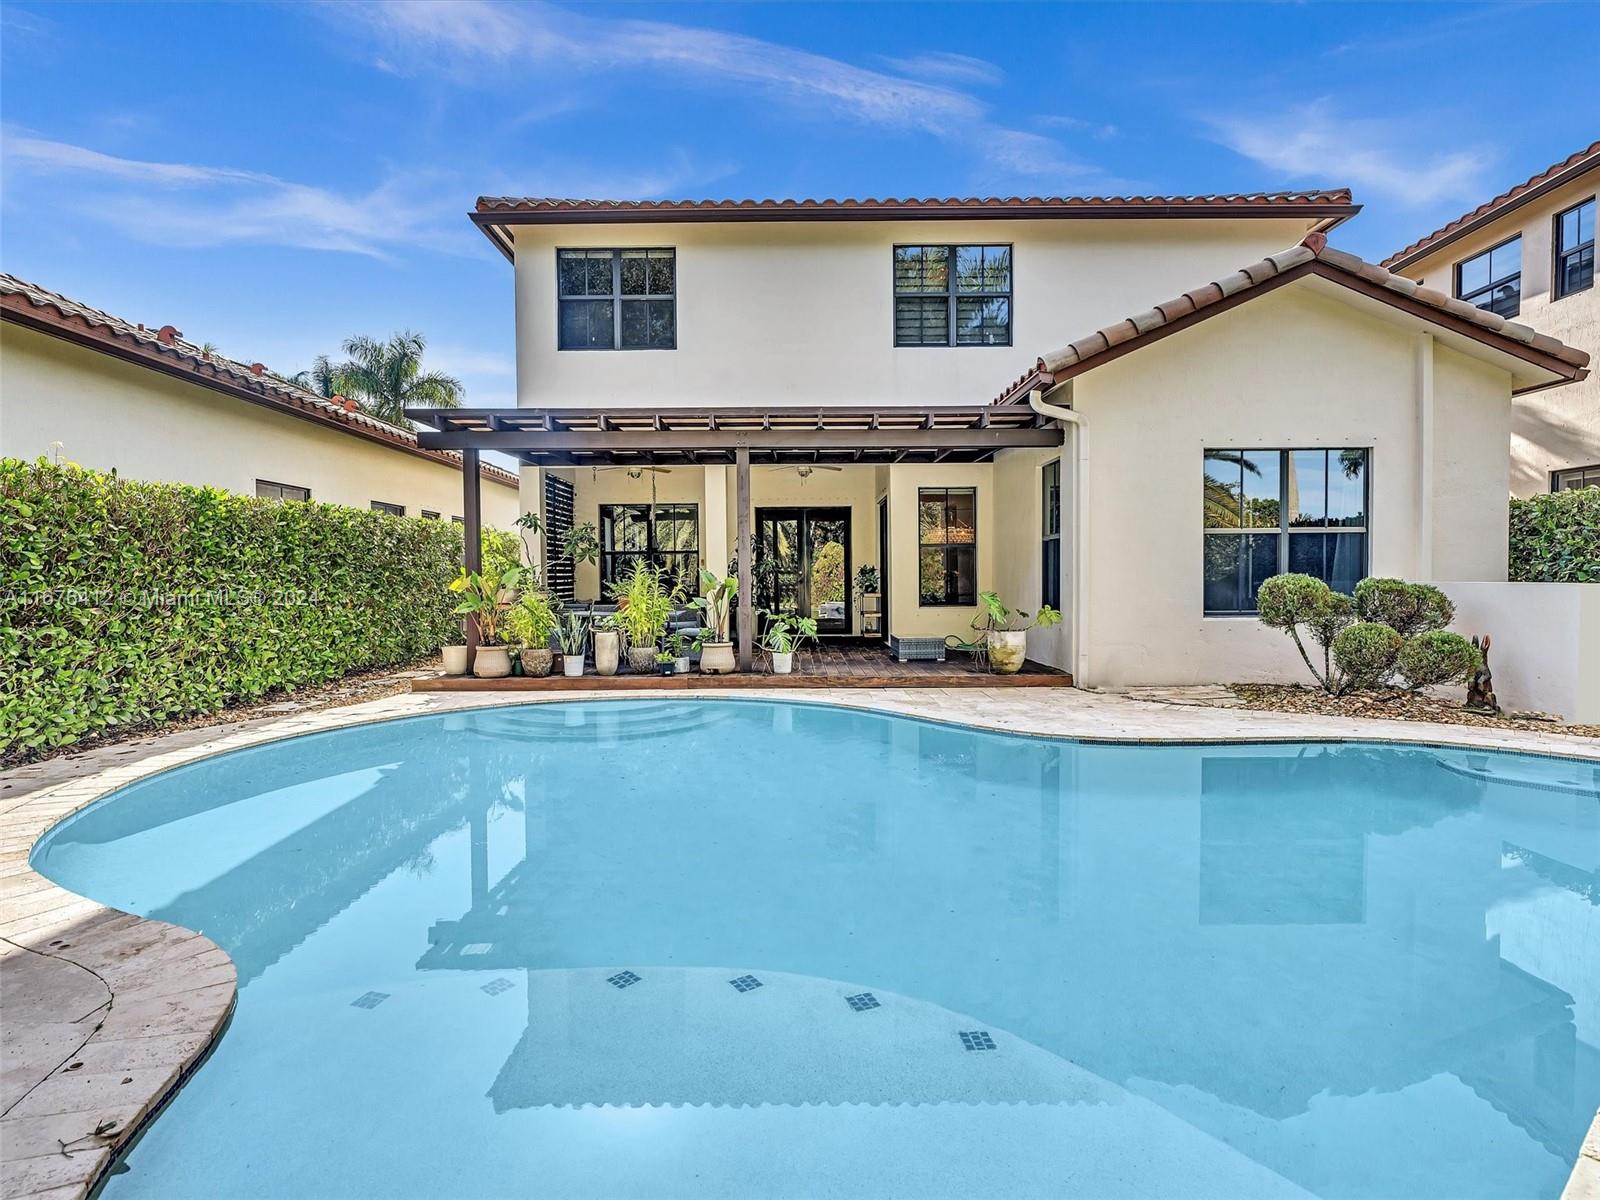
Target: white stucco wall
x: 1545, y: 642
x: 109, y: 414
x: 1297, y: 368
x: 1558, y: 427
x: 802, y: 313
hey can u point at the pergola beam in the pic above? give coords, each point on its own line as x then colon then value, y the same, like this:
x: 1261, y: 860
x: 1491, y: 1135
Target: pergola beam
x: 699, y: 440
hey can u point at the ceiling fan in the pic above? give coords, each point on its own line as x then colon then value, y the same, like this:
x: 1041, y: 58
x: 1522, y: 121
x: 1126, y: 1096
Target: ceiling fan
x: 634, y: 471
x: 806, y: 470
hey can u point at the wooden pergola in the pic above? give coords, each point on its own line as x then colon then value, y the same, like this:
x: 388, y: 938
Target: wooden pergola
x: 736, y: 437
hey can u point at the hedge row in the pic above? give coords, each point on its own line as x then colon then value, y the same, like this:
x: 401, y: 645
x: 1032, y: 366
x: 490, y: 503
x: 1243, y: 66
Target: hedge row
x: 125, y: 603
x: 1555, y: 538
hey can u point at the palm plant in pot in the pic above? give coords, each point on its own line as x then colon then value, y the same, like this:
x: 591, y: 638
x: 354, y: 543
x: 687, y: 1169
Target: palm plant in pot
x: 531, y: 621
x: 644, y: 605
x: 716, y: 651
x: 782, y: 636
x: 1006, y: 631
x: 486, y: 597
x: 572, y: 633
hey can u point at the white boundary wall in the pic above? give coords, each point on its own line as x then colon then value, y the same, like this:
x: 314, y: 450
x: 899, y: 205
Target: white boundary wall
x: 1546, y: 642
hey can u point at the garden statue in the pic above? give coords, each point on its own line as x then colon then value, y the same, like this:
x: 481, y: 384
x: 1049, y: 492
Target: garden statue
x: 1480, y: 688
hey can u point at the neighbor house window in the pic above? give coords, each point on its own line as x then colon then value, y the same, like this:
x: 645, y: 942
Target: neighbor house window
x: 952, y: 295
x: 947, y: 550
x: 394, y: 510
x: 1273, y: 511
x: 1493, y: 279
x: 1575, y: 249
x: 268, y: 490
x: 1050, y: 523
x: 430, y: 515
x: 617, y: 299
x: 1575, y: 477
x: 665, y: 536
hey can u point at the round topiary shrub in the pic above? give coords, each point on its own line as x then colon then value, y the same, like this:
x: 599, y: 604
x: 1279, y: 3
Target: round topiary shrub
x: 1365, y: 652
x: 1407, y: 608
x: 1436, y: 657
x: 1285, y: 601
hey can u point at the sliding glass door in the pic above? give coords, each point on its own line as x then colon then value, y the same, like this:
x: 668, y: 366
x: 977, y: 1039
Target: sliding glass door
x: 803, y: 564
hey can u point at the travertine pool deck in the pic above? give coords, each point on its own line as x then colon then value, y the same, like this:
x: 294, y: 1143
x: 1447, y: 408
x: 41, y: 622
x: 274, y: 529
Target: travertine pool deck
x: 105, y: 1014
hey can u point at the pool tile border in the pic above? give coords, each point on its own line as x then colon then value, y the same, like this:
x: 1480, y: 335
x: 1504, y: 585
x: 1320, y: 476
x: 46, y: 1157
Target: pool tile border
x: 135, y: 1005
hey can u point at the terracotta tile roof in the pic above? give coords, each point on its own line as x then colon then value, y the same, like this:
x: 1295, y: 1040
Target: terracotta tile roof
x: 1311, y: 256
x: 167, y: 350
x: 950, y: 206
x: 1553, y: 176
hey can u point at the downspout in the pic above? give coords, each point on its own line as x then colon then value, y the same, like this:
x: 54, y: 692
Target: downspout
x: 1080, y: 524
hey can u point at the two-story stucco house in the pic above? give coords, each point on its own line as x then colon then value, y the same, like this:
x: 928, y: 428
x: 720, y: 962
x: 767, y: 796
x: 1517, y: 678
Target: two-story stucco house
x: 805, y: 386
x: 1528, y: 254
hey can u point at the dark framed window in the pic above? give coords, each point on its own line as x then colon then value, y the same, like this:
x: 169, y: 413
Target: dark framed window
x: 1268, y: 512
x: 1493, y: 279
x: 1575, y: 249
x: 430, y: 515
x: 1575, y: 477
x: 394, y: 510
x: 617, y: 299
x: 952, y: 295
x: 268, y: 490
x: 666, y: 536
x: 1050, y: 524
x: 947, y: 546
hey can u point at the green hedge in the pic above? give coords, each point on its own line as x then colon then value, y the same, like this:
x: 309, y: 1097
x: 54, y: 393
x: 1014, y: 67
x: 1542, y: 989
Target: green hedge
x: 125, y: 603
x: 1556, y: 538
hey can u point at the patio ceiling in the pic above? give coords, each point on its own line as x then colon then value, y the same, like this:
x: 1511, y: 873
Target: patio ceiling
x: 713, y: 436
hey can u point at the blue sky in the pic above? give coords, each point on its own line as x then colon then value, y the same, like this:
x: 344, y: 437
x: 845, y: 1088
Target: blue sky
x: 273, y: 177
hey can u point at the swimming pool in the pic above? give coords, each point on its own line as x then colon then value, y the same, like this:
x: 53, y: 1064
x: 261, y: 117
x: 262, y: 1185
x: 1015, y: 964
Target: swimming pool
x: 739, y: 948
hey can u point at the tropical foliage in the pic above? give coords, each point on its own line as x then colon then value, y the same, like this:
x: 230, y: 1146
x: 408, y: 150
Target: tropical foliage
x: 1555, y: 538
x: 385, y: 378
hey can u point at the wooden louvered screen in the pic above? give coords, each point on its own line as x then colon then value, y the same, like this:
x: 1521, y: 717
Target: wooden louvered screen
x: 558, y: 572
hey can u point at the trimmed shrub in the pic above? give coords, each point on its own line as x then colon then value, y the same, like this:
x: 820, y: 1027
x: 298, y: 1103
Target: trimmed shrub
x: 1556, y: 538
x: 126, y: 603
x: 1407, y: 608
x: 1437, y: 657
x: 1365, y: 652
x: 1287, y: 602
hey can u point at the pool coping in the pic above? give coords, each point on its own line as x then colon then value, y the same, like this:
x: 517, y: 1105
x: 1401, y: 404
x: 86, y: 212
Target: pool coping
x: 144, y: 1001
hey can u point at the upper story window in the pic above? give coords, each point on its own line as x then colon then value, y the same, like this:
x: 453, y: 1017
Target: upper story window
x: 1575, y: 249
x: 269, y: 490
x: 952, y: 295
x: 1493, y: 279
x: 617, y: 299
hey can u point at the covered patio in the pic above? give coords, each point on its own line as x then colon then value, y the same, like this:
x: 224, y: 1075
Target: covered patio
x: 751, y: 474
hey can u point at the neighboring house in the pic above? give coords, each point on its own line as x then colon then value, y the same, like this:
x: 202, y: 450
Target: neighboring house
x: 817, y: 381
x: 113, y: 395
x: 1528, y: 254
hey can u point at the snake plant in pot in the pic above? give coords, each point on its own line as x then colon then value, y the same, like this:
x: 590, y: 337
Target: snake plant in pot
x: 573, y: 636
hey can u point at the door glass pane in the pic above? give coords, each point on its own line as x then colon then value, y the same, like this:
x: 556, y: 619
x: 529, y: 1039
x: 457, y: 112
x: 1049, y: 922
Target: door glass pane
x: 826, y: 552
x: 1308, y: 487
x: 1260, y: 476
x: 1347, y: 477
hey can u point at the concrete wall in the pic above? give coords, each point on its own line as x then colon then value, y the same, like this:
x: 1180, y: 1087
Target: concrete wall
x: 1559, y: 427
x: 1546, y: 642
x: 1298, y: 368
x: 802, y: 313
x: 109, y: 414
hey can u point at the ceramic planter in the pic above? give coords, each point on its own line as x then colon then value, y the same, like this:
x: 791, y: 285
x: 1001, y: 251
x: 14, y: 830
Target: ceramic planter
x: 642, y: 659
x: 455, y: 660
x: 572, y: 665
x: 607, y: 651
x: 716, y: 658
x: 492, y: 662
x: 537, y: 662
x: 680, y: 666
x: 782, y: 663
x: 1007, y: 650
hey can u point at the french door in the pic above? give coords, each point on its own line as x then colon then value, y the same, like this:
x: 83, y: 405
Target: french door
x: 802, y: 564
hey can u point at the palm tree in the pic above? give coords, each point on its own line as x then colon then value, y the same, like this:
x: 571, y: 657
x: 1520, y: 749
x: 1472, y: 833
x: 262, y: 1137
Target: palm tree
x: 386, y: 378
x: 323, y: 378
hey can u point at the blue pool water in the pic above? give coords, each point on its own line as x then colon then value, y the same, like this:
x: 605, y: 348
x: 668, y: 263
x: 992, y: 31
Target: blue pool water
x: 737, y: 949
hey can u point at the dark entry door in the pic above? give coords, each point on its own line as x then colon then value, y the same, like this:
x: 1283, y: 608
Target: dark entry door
x: 803, y: 564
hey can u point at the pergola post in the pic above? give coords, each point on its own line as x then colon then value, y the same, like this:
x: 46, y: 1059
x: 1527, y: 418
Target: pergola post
x: 471, y: 536
x: 747, y: 612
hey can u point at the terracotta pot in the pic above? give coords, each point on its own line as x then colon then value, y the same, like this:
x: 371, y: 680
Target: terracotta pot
x: 716, y: 658
x: 1007, y: 650
x: 572, y: 665
x: 642, y: 659
x: 492, y: 662
x: 782, y: 663
x: 607, y: 651
x: 455, y: 660
x: 537, y: 662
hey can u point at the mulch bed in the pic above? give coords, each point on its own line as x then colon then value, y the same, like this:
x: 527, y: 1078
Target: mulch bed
x: 1394, y: 704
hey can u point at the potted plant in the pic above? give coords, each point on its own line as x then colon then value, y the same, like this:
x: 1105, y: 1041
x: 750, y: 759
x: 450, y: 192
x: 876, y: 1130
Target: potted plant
x: 644, y: 605
x: 782, y: 635
x: 531, y: 621
x: 678, y: 647
x: 573, y: 635
x: 486, y: 597
x: 716, y: 651
x: 607, y: 645
x: 1006, y: 631
x: 869, y: 598
x: 455, y: 659
x: 664, y: 662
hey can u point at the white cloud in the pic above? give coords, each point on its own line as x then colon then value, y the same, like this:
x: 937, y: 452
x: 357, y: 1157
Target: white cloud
x: 1394, y: 159
x: 941, y: 64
